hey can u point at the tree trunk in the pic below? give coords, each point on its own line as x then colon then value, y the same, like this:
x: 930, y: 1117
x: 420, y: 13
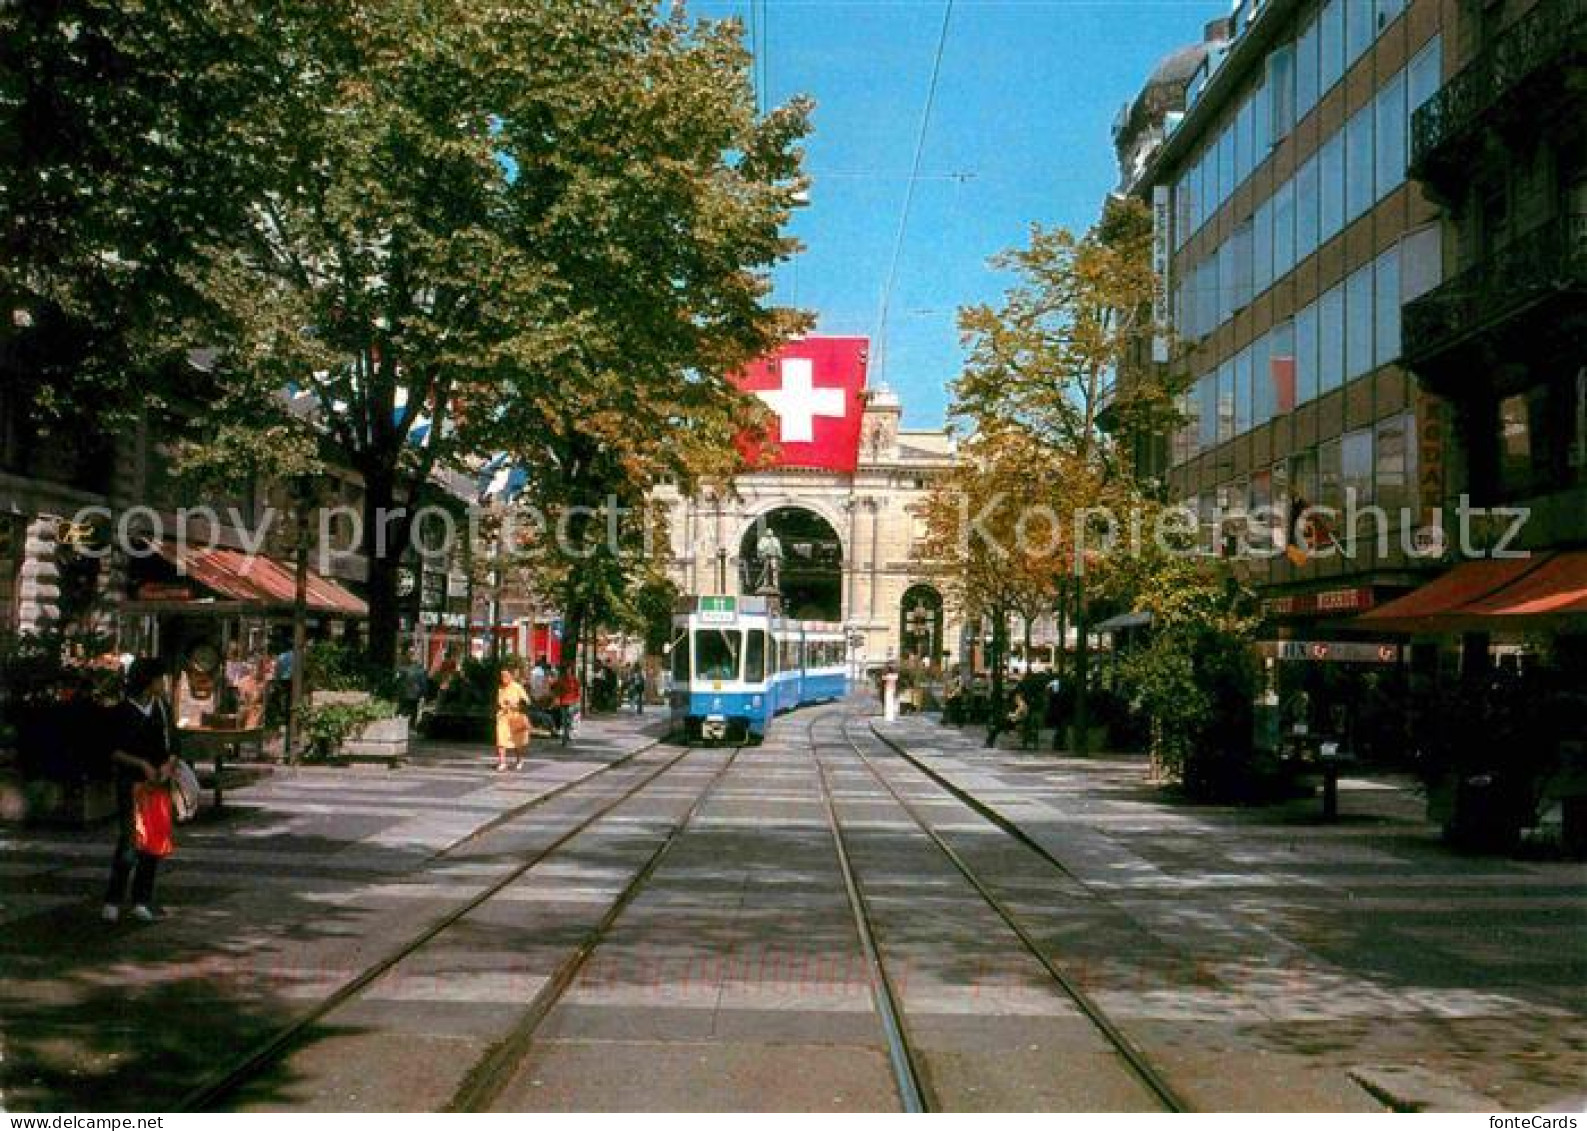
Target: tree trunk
x: 381, y: 588
x: 994, y: 723
x: 1082, y: 667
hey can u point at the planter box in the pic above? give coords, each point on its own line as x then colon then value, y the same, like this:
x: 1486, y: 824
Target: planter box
x: 77, y: 804
x: 384, y: 740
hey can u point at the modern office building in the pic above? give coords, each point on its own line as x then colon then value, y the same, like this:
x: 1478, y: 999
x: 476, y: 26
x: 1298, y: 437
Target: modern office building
x: 1292, y: 237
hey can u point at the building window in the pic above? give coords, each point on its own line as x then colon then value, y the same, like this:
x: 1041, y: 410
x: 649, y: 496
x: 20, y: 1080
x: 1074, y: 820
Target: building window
x: 1359, y: 160
x: 1226, y: 180
x: 1421, y: 262
x: 1245, y: 154
x: 1262, y: 248
x: 1330, y: 476
x: 1331, y: 340
x: 1387, y: 12
x: 1524, y: 458
x: 1242, y: 392
x: 1396, y: 447
x: 1360, y: 29
x: 1207, y: 390
x: 1283, y: 229
x: 1386, y: 300
x: 1391, y: 135
x: 1303, y: 486
x: 1240, y: 251
x: 1331, y: 174
x: 1358, y: 323
x: 1424, y: 75
x: 1307, y: 201
x: 1306, y: 377
x: 1279, y: 362
x: 1331, y: 45
x: 1355, y: 466
x: 1262, y: 395
x: 1226, y: 401
x: 1306, y: 70
x: 1281, y: 92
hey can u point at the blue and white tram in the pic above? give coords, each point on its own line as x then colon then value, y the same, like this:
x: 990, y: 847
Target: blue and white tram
x: 735, y: 665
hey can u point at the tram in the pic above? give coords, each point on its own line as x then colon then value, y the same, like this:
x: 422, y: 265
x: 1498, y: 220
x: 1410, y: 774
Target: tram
x: 735, y: 664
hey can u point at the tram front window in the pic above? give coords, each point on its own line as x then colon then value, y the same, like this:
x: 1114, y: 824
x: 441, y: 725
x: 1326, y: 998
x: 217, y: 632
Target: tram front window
x: 716, y: 654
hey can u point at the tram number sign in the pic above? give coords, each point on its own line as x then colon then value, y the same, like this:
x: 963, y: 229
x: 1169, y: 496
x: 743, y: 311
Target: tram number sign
x: 718, y: 610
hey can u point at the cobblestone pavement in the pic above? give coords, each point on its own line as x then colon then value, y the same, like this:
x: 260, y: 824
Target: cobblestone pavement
x: 1258, y: 958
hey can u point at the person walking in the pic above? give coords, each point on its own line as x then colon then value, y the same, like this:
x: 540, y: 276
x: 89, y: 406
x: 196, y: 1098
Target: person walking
x: 566, y: 692
x: 140, y: 753
x: 512, y: 721
x: 636, y: 688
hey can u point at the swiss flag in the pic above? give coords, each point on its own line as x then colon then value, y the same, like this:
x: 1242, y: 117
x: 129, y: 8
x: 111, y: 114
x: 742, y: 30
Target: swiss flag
x: 816, y: 388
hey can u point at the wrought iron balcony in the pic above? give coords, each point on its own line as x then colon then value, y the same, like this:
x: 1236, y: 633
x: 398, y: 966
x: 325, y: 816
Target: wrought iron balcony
x: 1544, y: 39
x: 1551, y: 259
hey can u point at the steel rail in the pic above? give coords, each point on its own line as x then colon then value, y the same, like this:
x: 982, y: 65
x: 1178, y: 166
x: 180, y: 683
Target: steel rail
x: 902, y: 1058
x: 1137, y: 1060
x: 248, y: 1066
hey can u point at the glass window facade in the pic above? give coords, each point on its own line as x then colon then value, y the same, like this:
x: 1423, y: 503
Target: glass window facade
x: 1330, y: 45
x: 1392, y: 133
x: 1331, y: 340
x: 1283, y: 229
x: 1355, y: 466
x: 1306, y: 89
x: 1331, y: 188
x: 1359, y: 161
x: 1386, y: 302
x: 1308, y: 201
x: 1307, y: 377
x: 1358, y: 323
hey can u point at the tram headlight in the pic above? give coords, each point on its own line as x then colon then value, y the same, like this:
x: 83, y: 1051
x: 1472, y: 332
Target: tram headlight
x: 755, y: 701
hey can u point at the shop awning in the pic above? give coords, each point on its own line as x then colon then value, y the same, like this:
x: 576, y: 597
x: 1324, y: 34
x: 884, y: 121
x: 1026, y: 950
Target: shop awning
x: 1490, y: 594
x: 248, y: 582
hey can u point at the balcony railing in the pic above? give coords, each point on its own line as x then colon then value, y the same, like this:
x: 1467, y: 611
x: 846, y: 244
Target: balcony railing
x: 1550, y: 258
x: 1539, y: 39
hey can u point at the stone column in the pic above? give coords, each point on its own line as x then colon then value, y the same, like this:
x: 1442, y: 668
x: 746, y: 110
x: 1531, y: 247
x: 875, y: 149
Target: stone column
x: 39, y: 580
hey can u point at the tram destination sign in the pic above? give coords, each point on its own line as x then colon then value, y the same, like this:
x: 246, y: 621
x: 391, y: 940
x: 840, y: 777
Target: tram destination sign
x: 718, y: 610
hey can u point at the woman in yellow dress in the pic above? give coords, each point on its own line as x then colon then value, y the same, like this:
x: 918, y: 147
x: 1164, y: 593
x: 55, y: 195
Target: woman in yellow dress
x: 512, y: 721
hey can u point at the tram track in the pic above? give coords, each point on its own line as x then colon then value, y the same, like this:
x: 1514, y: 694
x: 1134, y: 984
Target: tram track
x: 902, y: 1057
x: 252, y: 1064
x: 1134, y: 1057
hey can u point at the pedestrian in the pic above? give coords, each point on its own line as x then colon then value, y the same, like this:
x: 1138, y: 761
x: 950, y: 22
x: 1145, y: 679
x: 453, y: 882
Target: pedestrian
x: 512, y: 721
x: 413, y: 685
x: 140, y: 753
x: 566, y: 692
x: 636, y: 688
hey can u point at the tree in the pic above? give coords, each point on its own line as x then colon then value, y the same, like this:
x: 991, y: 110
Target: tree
x: 1040, y: 364
x: 1041, y: 361
x: 534, y: 228
x: 1000, y: 528
x: 118, y: 136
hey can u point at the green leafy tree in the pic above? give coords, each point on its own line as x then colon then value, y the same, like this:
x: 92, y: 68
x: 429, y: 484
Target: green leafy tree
x: 537, y: 228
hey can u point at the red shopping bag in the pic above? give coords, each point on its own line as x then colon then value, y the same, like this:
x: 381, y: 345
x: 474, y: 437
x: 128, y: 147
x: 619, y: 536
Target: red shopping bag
x: 151, y: 820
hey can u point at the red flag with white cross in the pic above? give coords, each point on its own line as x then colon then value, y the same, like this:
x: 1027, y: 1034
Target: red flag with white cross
x: 815, y: 388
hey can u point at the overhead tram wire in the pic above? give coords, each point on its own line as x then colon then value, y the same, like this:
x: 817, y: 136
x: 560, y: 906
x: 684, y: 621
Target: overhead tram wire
x: 909, y: 190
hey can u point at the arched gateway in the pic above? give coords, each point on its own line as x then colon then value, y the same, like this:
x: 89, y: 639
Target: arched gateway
x: 840, y: 490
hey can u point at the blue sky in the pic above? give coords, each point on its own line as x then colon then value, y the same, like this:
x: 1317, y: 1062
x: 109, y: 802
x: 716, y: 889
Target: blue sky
x: 1020, y: 132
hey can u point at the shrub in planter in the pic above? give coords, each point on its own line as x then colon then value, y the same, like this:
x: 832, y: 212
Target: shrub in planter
x: 327, y: 726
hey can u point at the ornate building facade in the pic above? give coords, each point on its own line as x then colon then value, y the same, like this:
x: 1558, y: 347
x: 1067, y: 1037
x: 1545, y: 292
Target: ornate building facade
x: 842, y: 499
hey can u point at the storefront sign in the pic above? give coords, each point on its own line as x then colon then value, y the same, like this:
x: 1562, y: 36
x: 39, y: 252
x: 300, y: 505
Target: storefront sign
x: 1331, y: 651
x: 432, y: 619
x: 1328, y: 601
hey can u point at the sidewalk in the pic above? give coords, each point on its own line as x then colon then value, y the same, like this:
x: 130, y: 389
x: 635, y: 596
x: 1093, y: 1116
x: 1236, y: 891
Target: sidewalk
x: 303, y: 877
x: 1365, y: 945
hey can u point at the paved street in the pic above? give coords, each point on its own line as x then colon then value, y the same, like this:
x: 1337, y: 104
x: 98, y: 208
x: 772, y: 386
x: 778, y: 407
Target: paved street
x: 674, y: 931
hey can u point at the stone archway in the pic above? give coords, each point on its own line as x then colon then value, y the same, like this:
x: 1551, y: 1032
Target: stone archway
x: 920, y: 624
x: 812, y: 567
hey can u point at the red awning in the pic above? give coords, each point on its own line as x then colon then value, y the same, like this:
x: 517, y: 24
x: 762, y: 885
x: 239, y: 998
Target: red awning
x: 255, y: 579
x: 1490, y: 594
x: 1557, y: 587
